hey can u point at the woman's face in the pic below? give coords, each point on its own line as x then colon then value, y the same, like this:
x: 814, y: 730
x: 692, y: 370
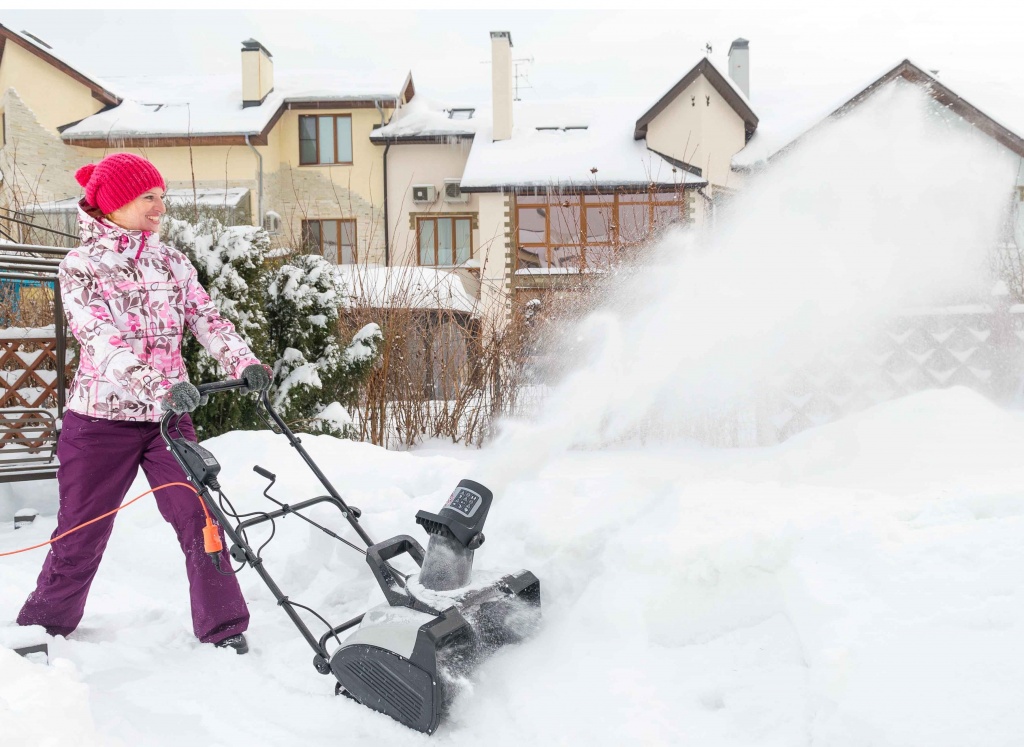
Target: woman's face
x: 143, y: 213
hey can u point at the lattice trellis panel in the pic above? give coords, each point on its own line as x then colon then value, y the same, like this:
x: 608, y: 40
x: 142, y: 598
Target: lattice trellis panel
x: 28, y: 372
x: 981, y: 347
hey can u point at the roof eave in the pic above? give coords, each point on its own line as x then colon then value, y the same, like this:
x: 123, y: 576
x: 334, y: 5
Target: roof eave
x: 98, y: 92
x: 435, y: 139
x: 581, y: 188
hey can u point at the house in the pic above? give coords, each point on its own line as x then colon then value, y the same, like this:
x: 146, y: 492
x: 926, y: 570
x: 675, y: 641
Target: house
x: 520, y: 197
x: 296, y: 142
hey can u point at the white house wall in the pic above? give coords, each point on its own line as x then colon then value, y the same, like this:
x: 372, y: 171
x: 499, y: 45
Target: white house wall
x: 700, y: 128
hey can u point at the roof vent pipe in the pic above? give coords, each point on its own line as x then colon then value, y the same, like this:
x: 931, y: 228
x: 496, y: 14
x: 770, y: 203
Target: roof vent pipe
x: 739, y: 65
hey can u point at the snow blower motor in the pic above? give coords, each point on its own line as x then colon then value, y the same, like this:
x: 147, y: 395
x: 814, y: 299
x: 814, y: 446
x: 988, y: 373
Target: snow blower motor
x: 406, y: 656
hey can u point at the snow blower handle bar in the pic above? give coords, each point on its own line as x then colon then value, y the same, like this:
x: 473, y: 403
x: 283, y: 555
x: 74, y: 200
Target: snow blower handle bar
x: 222, y: 386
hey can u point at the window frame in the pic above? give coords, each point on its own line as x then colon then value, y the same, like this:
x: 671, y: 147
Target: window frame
x: 316, y: 139
x: 581, y: 202
x: 320, y: 243
x: 453, y: 217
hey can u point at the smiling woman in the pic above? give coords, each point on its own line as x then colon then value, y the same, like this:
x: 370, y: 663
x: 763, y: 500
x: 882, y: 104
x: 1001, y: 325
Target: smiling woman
x: 129, y: 299
x: 143, y: 213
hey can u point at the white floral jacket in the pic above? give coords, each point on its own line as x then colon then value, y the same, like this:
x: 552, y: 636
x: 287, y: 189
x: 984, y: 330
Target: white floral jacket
x: 128, y: 299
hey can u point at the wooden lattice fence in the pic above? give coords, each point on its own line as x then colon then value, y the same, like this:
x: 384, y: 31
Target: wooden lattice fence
x: 28, y: 372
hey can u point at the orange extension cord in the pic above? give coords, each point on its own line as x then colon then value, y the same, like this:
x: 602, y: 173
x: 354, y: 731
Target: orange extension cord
x: 211, y: 539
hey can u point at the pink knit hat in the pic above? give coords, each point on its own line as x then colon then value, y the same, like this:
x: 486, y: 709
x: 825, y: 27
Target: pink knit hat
x: 117, y: 180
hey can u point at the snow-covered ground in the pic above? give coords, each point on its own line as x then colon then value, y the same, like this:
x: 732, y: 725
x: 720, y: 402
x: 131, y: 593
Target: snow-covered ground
x: 859, y: 584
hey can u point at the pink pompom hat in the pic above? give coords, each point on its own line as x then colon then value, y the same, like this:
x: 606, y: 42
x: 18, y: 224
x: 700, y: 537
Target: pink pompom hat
x: 117, y: 180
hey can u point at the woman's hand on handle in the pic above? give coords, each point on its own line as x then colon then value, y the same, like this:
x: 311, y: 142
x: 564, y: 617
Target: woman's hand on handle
x: 257, y: 377
x: 183, y: 397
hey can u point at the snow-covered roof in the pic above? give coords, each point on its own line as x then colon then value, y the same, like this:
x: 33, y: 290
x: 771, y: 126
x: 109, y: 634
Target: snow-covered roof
x: 792, y: 107
x: 423, y: 119
x: 214, y: 197
x: 582, y: 143
x: 211, y: 105
x: 406, y: 287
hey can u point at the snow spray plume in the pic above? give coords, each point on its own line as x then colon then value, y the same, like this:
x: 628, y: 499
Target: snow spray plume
x: 895, y: 204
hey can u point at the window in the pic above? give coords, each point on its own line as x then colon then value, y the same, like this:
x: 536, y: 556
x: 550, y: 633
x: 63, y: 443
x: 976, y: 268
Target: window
x: 334, y: 239
x: 445, y: 241
x: 324, y: 139
x: 585, y: 231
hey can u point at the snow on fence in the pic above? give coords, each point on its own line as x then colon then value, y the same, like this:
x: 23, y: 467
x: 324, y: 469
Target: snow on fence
x: 980, y: 346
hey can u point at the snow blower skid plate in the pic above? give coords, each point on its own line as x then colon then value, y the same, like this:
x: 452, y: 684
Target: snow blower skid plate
x: 407, y: 656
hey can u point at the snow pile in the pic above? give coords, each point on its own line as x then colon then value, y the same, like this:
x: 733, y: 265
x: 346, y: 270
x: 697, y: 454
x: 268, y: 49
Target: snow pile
x: 858, y: 585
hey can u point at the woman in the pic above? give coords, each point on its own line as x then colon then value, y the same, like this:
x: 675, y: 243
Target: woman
x: 128, y: 299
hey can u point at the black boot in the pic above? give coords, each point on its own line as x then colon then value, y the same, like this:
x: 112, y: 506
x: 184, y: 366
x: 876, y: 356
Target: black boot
x: 236, y: 641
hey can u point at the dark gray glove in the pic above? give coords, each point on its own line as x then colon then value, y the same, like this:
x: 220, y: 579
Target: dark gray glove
x: 257, y: 377
x: 182, y: 398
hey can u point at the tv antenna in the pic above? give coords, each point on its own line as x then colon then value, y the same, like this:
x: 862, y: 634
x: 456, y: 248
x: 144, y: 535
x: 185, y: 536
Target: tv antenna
x: 519, y: 73
x: 519, y: 68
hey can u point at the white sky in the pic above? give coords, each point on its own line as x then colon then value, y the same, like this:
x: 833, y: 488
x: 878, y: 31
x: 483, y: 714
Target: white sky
x: 574, y: 52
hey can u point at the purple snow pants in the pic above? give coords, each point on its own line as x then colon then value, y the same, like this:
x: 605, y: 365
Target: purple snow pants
x: 99, y: 460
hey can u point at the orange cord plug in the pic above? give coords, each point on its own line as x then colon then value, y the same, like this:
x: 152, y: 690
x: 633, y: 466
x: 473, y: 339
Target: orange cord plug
x: 211, y: 538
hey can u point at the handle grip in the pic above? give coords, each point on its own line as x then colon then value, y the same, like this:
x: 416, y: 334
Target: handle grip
x: 265, y: 472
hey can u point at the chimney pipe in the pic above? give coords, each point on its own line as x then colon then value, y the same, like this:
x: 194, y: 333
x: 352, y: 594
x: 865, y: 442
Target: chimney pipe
x: 501, y: 84
x: 257, y: 73
x: 739, y: 65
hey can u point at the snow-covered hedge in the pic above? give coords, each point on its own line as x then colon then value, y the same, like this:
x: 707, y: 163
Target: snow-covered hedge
x: 229, y: 261
x: 287, y: 310
x: 316, y: 377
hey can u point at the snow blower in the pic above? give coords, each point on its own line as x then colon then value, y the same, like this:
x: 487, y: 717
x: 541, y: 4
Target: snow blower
x: 406, y: 656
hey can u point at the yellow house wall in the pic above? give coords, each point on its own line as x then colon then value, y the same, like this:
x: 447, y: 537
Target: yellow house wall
x: 55, y: 98
x: 300, y: 193
x: 706, y: 135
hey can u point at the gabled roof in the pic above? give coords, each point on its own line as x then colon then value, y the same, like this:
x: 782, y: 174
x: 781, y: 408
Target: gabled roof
x: 721, y: 83
x: 208, y: 110
x: 43, y: 51
x: 577, y: 144
x: 1002, y: 117
x: 945, y: 96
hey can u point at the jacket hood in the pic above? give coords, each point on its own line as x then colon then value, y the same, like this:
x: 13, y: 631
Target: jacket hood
x: 99, y: 235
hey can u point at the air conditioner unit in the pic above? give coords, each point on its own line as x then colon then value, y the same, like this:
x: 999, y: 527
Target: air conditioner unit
x: 424, y: 193
x: 272, y: 222
x: 453, y: 192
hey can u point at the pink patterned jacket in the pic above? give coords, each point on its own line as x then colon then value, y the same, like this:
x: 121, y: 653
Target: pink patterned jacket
x: 128, y: 299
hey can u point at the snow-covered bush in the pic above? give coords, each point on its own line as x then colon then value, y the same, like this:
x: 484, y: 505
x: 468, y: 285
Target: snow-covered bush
x: 229, y: 261
x: 316, y: 377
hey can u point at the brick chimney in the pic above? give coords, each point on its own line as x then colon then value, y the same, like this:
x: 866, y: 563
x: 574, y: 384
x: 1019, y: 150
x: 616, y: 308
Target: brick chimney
x: 501, y: 83
x: 739, y: 65
x: 257, y: 73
